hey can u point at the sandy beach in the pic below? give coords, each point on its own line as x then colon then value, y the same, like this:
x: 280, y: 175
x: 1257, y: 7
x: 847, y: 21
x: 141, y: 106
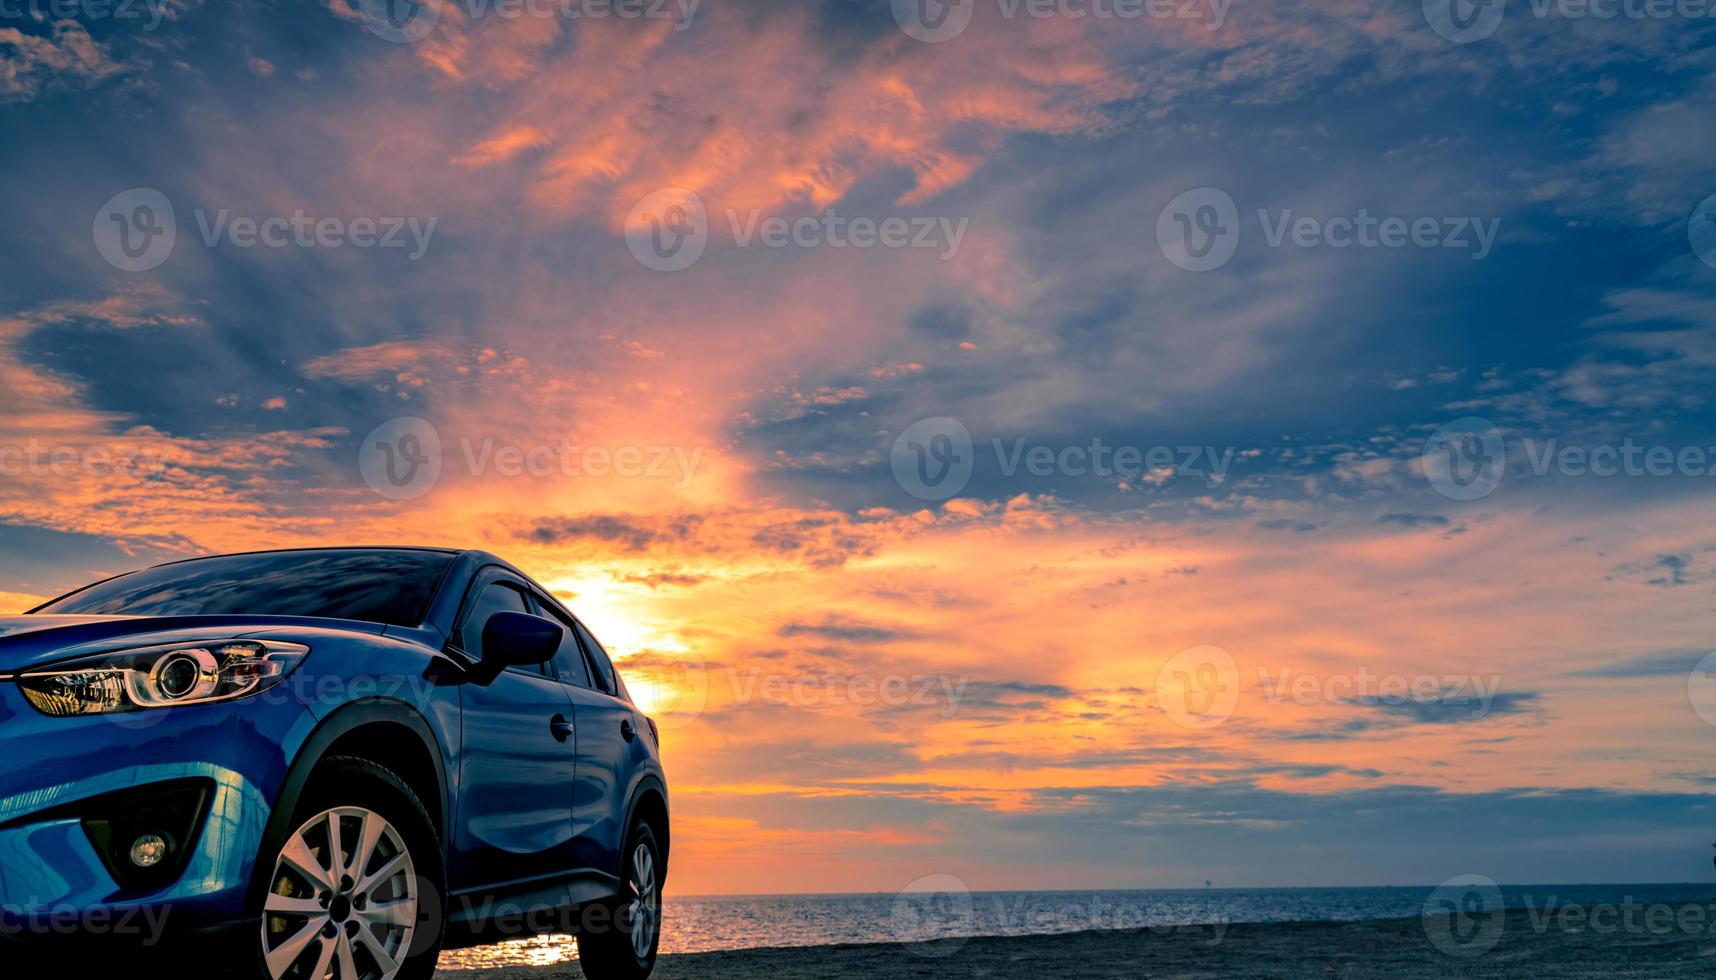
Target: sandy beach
x: 1658, y: 945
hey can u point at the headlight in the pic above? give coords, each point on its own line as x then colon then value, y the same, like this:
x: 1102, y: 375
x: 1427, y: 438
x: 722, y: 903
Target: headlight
x: 160, y: 677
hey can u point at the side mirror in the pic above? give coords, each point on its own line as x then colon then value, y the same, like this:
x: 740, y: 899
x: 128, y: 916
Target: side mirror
x: 515, y: 639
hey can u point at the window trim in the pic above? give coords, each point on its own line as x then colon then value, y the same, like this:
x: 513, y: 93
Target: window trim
x: 560, y: 613
x: 619, y: 692
x: 554, y: 611
x: 486, y: 576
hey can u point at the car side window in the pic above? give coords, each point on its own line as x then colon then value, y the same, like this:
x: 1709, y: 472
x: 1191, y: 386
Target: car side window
x: 569, y: 660
x: 495, y: 597
x: 599, y: 660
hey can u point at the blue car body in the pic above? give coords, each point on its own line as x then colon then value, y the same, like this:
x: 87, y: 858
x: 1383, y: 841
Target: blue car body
x: 531, y: 777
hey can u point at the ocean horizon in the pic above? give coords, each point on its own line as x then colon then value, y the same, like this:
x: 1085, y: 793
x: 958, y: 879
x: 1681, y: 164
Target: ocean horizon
x: 712, y: 923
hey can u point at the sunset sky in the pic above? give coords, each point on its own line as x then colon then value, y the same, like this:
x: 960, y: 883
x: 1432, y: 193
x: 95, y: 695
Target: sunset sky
x: 861, y: 685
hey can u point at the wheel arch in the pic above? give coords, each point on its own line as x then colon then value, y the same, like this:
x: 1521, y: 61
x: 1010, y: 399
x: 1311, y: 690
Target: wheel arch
x: 387, y: 732
x: 649, y: 802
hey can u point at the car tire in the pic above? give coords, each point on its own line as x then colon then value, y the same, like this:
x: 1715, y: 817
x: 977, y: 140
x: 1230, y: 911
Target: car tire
x: 612, y: 948
x: 381, y: 909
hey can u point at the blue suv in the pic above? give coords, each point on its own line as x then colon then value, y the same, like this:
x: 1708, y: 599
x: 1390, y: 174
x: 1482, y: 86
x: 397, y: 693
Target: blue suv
x: 325, y: 764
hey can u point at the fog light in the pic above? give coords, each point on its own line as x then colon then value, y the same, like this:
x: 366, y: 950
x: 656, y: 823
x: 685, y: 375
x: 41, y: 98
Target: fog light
x: 148, y: 850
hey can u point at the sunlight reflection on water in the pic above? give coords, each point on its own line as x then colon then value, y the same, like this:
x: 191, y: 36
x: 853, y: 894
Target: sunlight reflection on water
x: 536, y: 951
x: 696, y: 924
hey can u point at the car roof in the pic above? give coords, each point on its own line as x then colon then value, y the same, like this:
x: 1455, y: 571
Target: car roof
x: 287, y: 551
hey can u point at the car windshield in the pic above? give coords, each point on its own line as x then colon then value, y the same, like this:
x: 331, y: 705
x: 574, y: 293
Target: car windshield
x: 382, y: 586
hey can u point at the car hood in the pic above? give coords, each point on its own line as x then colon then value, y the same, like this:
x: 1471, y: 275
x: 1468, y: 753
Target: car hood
x: 31, y: 641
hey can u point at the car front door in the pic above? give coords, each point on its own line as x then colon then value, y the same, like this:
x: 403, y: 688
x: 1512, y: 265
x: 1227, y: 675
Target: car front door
x: 518, y: 762
x: 610, y: 748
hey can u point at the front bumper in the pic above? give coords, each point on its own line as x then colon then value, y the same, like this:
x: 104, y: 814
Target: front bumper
x: 62, y: 870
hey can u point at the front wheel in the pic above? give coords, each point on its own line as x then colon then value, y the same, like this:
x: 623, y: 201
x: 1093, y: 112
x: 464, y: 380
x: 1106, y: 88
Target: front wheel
x: 624, y: 946
x: 354, y: 890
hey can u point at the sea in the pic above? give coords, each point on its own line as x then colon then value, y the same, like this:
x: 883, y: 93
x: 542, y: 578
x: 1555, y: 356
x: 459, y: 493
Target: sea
x: 695, y: 924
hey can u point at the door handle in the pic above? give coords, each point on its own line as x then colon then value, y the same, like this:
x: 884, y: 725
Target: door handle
x: 560, y: 727
x: 627, y: 732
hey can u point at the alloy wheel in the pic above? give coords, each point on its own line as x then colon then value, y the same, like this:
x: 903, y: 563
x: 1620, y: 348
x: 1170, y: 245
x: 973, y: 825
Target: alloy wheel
x: 644, y: 911
x: 342, y: 902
